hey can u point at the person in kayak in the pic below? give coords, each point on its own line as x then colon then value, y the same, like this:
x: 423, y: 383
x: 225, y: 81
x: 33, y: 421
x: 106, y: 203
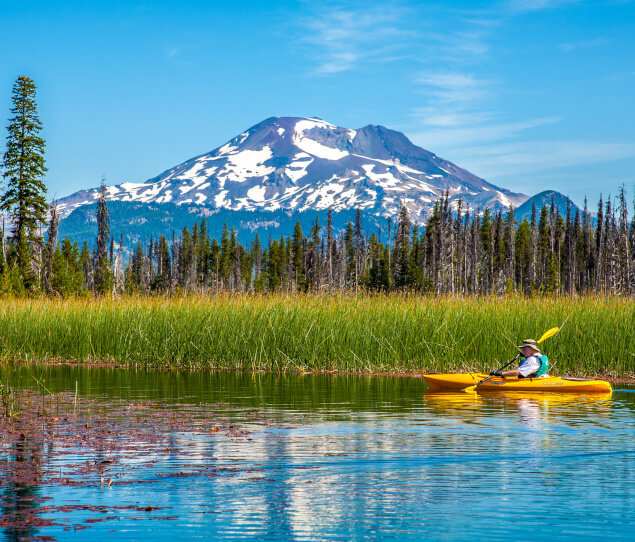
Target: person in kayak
x: 534, y: 363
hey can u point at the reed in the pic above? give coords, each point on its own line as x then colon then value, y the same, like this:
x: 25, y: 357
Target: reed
x: 367, y: 333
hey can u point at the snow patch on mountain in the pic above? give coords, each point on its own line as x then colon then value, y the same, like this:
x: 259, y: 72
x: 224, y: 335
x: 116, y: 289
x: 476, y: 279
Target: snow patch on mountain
x: 312, y: 147
x: 303, y: 164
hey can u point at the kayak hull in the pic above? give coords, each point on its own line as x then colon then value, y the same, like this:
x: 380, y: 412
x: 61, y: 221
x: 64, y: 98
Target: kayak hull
x: 460, y: 381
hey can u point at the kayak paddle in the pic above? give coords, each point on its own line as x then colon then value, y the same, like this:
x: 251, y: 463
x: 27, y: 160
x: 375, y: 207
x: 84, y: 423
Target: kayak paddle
x: 545, y: 336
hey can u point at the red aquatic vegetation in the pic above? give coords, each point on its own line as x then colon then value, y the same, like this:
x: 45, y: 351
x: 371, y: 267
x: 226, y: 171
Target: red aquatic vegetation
x: 56, y: 440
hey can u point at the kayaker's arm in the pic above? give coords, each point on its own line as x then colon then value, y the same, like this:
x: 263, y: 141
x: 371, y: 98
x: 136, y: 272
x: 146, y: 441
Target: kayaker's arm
x: 506, y: 374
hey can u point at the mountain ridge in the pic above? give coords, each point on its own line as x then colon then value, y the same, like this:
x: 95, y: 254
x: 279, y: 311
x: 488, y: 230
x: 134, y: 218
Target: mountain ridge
x: 306, y: 163
x: 543, y: 198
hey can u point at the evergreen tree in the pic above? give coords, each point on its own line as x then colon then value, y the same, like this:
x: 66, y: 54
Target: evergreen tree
x: 161, y: 281
x: 330, y: 250
x: 49, y: 255
x: 87, y: 266
x: 401, y: 260
x: 202, y: 255
x: 214, y: 264
x: 375, y: 252
x: 225, y: 257
x: 312, y: 263
x: 487, y: 244
x: 298, y: 256
x: 257, y: 260
x: 360, y: 249
x: 349, y: 256
x: 103, y: 273
x: 24, y: 169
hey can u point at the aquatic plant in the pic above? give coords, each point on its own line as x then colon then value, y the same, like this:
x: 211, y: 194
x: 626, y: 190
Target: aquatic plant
x: 366, y: 333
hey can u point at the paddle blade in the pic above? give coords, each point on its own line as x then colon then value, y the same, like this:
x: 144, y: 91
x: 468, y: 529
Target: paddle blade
x: 548, y: 334
x: 470, y: 389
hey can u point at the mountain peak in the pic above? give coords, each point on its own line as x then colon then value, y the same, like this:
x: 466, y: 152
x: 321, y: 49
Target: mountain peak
x: 307, y: 163
x: 546, y: 197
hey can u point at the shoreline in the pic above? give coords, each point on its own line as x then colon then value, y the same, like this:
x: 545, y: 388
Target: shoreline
x: 396, y: 374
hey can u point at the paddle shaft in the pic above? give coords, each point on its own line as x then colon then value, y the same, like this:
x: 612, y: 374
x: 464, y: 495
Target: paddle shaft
x: 499, y: 370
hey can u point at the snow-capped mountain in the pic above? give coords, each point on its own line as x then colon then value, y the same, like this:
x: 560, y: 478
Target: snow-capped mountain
x: 307, y: 164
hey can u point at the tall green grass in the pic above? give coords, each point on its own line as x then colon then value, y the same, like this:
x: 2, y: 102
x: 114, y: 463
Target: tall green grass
x: 307, y: 333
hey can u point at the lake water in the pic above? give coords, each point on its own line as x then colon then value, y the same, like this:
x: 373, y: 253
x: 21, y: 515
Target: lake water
x: 153, y: 455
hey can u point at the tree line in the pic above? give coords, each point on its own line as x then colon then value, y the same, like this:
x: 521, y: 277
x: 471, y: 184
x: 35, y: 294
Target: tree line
x: 458, y: 251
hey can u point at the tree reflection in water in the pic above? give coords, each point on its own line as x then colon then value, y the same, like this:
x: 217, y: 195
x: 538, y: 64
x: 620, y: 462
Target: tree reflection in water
x: 21, y: 475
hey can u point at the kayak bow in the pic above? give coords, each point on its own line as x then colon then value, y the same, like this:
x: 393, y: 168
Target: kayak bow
x: 460, y: 381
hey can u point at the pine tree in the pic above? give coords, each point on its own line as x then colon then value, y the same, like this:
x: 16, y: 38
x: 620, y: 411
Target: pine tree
x: 87, y: 266
x: 375, y: 252
x: 544, y: 235
x: 225, y: 258
x: 509, y: 267
x: 330, y: 249
x: 202, y: 255
x: 312, y: 263
x: 523, y: 256
x: 360, y: 249
x: 599, y: 246
x: 401, y: 260
x: 161, y: 281
x: 24, y: 169
x: 623, y: 245
x: 214, y: 264
x: 235, y: 280
x: 349, y: 255
x: 49, y: 255
x: 186, y: 265
x: 487, y: 253
x: 103, y: 273
x: 257, y: 260
x: 298, y: 256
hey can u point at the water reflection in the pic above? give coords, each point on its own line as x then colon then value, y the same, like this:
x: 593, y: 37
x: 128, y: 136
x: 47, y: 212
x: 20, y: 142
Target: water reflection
x: 21, y: 495
x: 321, y: 458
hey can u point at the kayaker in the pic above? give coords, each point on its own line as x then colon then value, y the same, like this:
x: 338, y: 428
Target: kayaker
x: 531, y: 364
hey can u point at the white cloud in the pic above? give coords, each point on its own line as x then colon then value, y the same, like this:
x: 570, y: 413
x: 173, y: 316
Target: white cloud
x: 535, y: 156
x: 584, y: 44
x: 452, y: 88
x: 341, y: 37
x: 526, y: 6
x: 454, y: 131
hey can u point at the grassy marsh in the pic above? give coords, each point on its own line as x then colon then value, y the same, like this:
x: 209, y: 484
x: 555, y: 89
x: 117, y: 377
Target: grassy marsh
x: 368, y: 333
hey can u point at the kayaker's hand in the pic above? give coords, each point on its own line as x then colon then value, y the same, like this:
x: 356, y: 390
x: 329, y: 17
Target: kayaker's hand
x: 493, y: 373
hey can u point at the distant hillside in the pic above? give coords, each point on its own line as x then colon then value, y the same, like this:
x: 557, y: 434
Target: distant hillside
x: 545, y: 198
x: 139, y: 222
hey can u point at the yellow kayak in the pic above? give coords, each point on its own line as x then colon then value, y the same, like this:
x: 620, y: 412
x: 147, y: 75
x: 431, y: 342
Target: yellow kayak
x: 557, y: 384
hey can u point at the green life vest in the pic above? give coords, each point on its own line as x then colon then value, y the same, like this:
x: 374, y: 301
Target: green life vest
x: 544, y: 365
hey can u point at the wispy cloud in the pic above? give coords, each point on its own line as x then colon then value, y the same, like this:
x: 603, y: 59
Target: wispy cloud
x: 445, y: 53
x: 526, y: 6
x: 452, y: 88
x: 506, y: 159
x: 584, y: 44
x: 343, y: 36
x: 460, y: 119
x: 456, y: 112
x: 481, y: 129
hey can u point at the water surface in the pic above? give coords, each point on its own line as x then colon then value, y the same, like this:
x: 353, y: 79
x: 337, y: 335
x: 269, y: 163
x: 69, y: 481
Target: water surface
x: 199, y: 455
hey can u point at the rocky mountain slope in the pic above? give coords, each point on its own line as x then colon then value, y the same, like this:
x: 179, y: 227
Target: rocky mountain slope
x: 296, y: 164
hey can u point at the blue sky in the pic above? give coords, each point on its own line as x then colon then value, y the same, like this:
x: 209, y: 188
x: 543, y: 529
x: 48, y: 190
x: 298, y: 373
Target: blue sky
x: 528, y: 94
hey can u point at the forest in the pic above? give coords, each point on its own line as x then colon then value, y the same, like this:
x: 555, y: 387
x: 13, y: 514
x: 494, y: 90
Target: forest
x: 458, y: 251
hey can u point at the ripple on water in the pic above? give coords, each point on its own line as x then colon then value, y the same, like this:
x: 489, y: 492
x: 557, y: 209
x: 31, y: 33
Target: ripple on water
x: 283, y: 458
